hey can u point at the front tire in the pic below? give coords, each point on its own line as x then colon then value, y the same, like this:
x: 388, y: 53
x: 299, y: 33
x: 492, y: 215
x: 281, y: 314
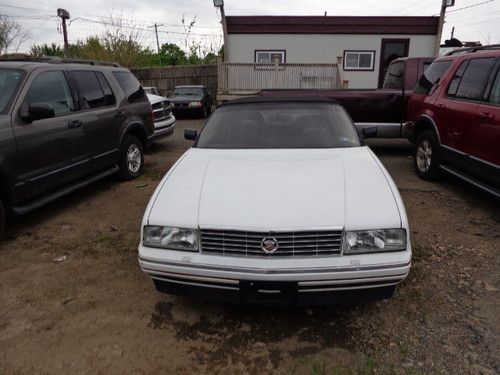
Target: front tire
x: 426, y: 158
x: 131, y: 158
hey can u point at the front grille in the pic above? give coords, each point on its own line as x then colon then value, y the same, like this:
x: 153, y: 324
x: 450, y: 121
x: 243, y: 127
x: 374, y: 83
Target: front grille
x: 310, y: 243
x: 161, y: 111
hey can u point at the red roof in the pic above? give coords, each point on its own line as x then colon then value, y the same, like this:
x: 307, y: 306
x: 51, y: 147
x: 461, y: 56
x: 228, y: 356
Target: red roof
x: 331, y: 25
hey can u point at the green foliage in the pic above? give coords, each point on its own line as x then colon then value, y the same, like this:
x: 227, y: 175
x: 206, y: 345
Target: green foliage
x: 47, y: 50
x: 170, y: 54
x: 127, y: 52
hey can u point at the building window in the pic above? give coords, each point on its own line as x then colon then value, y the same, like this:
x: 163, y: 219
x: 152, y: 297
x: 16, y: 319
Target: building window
x: 359, y: 60
x: 268, y: 56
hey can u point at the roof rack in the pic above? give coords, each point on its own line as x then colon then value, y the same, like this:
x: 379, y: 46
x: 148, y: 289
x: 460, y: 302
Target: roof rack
x: 56, y: 60
x: 460, y: 51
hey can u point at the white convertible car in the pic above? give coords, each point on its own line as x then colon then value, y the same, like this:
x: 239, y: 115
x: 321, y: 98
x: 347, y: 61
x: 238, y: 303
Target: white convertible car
x: 277, y: 202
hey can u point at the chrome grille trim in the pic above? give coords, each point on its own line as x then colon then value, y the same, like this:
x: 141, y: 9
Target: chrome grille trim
x: 246, y: 243
x: 161, y: 111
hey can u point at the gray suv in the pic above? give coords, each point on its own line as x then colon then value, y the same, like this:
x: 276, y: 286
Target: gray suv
x: 65, y: 124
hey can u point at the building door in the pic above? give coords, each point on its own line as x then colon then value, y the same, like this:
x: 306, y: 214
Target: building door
x: 391, y: 49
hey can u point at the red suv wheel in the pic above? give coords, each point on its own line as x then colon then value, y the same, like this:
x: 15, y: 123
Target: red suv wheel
x: 426, y: 157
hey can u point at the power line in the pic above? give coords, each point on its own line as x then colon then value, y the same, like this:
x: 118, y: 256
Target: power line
x: 470, y: 6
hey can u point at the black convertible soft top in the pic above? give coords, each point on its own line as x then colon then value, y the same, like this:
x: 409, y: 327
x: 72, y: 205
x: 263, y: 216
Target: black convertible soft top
x: 281, y: 99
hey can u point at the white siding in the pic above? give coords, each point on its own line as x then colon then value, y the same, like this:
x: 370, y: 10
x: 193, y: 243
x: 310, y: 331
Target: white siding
x: 324, y: 49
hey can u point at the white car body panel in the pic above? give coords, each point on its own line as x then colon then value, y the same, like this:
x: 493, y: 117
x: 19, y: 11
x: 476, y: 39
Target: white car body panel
x: 277, y: 190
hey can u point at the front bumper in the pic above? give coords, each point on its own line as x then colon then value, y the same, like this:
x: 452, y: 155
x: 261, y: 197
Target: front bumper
x: 185, y: 110
x: 164, y: 128
x: 301, y: 280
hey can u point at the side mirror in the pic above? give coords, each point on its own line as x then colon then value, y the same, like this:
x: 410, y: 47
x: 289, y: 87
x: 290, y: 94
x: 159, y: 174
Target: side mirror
x: 370, y: 132
x: 190, y: 134
x: 38, y: 111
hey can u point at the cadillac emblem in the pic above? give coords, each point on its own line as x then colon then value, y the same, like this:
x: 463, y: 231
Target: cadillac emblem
x: 269, y: 245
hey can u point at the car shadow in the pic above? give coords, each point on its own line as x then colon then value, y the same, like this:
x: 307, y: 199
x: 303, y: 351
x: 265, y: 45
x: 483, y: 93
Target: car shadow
x: 250, y: 325
x: 390, y: 147
x: 24, y: 223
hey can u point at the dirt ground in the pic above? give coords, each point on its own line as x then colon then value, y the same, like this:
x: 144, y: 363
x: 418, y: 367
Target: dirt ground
x: 73, y: 299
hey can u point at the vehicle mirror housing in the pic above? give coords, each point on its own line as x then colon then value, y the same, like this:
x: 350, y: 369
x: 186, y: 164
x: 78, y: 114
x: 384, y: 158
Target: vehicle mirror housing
x: 190, y: 134
x: 370, y: 132
x: 37, y: 111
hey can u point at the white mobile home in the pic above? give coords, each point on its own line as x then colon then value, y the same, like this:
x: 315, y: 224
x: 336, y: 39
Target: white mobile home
x: 360, y: 48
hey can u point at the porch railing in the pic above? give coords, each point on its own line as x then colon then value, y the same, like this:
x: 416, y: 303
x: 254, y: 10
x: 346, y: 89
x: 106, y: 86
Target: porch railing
x: 250, y: 78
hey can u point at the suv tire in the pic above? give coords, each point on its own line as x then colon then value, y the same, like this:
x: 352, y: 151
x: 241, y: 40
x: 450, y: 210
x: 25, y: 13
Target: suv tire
x: 426, y: 158
x: 131, y: 161
x: 2, y: 218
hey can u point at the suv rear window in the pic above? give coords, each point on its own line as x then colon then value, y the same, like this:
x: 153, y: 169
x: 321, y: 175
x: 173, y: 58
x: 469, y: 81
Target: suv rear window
x: 131, y: 87
x: 471, y: 84
x: 431, y: 77
x: 93, y: 93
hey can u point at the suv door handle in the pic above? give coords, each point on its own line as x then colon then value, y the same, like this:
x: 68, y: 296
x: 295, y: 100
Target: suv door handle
x: 487, y: 115
x: 75, y: 124
x: 119, y: 113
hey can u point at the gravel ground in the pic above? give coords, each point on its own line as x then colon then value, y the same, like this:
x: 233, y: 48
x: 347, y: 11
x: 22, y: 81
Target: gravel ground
x: 73, y: 299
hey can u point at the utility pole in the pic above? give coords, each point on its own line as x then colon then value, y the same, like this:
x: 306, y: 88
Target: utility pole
x: 156, y: 33
x: 64, y: 14
x: 220, y: 4
x: 444, y: 4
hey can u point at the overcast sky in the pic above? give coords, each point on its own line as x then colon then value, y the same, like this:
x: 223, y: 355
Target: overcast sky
x: 477, y: 23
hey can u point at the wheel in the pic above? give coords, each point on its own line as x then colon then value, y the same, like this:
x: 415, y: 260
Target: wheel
x: 131, y: 158
x: 2, y: 218
x: 426, y: 159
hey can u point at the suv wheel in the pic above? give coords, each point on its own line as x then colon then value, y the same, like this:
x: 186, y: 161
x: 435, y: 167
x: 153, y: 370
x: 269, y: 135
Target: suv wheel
x: 426, y: 159
x: 2, y: 218
x: 131, y: 158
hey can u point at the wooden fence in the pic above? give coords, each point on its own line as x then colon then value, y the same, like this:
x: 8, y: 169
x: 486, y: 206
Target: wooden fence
x: 166, y: 78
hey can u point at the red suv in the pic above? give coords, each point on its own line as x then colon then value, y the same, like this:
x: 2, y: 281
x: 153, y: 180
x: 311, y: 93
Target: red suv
x: 454, y: 115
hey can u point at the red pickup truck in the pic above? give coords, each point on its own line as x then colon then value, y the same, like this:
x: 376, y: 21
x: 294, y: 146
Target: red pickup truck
x: 385, y: 107
x: 454, y: 115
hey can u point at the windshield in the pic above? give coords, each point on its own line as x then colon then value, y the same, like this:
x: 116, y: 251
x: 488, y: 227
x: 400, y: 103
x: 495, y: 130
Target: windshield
x: 187, y: 91
x: 279, y: 125
x: 9, y: 82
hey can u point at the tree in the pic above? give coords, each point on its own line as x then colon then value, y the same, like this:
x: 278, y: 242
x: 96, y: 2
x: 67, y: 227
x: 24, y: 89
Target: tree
x: 170, y: 54
x: 11, y: 34
x: 46, y: 50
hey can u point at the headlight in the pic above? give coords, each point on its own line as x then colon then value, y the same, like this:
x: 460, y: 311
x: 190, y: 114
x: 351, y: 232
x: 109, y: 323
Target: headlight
x: 170, y: 238
x: 194, y: 104
x: 372, y: 241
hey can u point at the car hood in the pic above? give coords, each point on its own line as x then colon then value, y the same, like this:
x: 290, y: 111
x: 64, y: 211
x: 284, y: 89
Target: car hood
x: 184, y: 99
x: 153, y: 99
x: 266, y: 190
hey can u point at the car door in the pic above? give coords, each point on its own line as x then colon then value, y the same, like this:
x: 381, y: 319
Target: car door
x: 457, y: 107
x: 51, y: 151
x: 100, y: 116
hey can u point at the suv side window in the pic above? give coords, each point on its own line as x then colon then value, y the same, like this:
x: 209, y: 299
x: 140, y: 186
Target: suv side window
x: 131, y: 87
x: 394, y: 78
x: 91, y: 92
x: 108, y: 93
x: 51, y: 88
x: 495, y: 91
x: 429, y: 80
x: 473, y: 82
